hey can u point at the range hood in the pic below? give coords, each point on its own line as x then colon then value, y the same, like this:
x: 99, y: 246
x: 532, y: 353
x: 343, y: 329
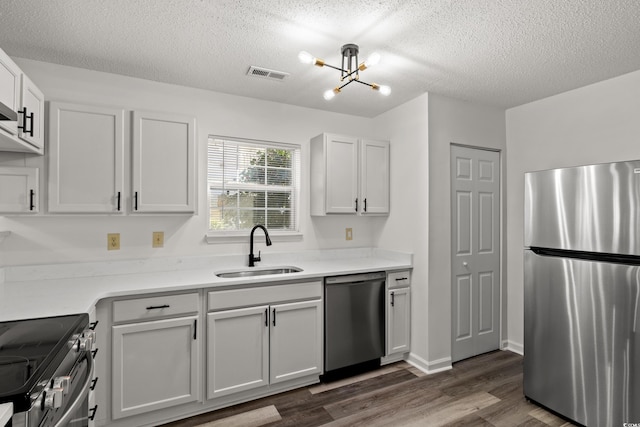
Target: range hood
x: 7, y: 113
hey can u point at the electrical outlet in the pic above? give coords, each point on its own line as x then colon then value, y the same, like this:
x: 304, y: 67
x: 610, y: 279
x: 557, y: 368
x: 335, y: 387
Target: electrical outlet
x: 158, y: 239
x: 349, y: 234
x: 113, y: 241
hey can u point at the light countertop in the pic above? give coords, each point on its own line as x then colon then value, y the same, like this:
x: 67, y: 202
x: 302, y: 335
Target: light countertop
x: 6, y: 412
x: 54, y: 290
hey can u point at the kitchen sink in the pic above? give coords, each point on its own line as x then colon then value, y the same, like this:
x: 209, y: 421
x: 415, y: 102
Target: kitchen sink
x: 251, y: 272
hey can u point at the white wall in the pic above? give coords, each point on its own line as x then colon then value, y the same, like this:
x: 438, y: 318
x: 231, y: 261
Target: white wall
x: 406, y: 228
x: 452, y: 121
x: 59, y: 238
x: 422, y: 131
x: 594, y: 124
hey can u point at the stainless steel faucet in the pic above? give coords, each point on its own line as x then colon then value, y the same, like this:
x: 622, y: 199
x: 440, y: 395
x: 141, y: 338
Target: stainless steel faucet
x: 252, y: 258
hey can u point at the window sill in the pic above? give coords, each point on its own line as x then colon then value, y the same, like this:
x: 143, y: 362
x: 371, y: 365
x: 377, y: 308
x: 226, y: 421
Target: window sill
x: 243, y: 237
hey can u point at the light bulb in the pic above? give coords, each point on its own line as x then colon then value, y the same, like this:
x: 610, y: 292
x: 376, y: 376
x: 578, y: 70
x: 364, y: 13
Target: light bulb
x: 372, y: 60
x: 306, y: 57
x: 385, y: 90
x: 328, y: 95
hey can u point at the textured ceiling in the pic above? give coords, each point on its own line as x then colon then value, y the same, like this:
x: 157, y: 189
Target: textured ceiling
x: 496, y: 52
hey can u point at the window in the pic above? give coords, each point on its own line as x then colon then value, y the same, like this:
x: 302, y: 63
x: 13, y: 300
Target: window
x: 252, y: 182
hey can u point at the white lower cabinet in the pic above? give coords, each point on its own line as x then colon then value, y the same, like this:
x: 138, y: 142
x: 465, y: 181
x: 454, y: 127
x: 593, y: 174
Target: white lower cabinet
x: 155, y: 363
x: 263, y: 344
x: 398, y: 313
x: 296, y: 340
x: 238, y: 350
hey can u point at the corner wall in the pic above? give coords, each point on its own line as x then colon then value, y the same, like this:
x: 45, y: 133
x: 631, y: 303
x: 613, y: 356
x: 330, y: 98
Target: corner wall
x: 453, y: 121
x: 593, y: 124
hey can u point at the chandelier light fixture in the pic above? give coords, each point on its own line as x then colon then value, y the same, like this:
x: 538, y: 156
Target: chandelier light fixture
x: 350, y: 70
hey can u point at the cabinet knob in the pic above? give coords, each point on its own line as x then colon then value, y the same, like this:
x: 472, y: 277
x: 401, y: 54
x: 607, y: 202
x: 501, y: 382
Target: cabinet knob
x: 465, y: 264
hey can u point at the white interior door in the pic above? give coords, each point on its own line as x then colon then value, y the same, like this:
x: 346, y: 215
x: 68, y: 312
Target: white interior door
x: 475, y: 251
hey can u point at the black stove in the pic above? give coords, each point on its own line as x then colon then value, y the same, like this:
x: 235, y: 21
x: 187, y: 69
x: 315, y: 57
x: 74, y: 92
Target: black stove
x: 30, y: 352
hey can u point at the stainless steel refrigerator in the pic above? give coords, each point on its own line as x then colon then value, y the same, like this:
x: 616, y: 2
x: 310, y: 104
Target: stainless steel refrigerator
x: 582, y: 292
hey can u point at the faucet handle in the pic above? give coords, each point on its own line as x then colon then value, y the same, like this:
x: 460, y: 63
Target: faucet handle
x: 257, y: 258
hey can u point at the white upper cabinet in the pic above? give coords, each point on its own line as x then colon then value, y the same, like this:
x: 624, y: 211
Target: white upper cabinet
x: 349, y: 175
x: 19, y: 190
x: 31, y: 115
x: 18, y: 93
x: 374, y: 176
x: 86, y: 163
x: 163, y: 163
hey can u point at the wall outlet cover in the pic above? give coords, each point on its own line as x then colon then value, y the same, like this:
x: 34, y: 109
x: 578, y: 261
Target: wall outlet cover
x: 113, y: 241
x: 157, y: 239
x: 349, y: 234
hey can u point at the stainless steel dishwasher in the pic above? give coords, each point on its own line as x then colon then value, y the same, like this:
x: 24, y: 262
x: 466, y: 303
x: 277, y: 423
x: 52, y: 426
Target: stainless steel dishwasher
x: 354, y: 320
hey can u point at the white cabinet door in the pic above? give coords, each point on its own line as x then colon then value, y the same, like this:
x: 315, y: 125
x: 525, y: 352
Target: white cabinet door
x: 296, y: 340
x: 341, y: 174
x: 155, y: 365
x: 31, y: 117
x: 398, y: 320
x: 86, y: 149
x: 19, y: 190
x: 163, y: 163
x: 9, y: 91
x: 349, y: 175
x: 237, y: 350
x: 374, y: 177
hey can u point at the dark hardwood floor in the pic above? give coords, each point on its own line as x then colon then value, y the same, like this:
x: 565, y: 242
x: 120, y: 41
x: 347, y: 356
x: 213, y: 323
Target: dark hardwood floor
x: 482, y: 391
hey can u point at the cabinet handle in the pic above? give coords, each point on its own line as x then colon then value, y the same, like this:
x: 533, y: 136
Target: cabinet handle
x: 26, y: 117
x: 23, y: 127
x: 365, y: 204
x: 93, y: 411
x: 32, y: 205
x: 274, y: 317
x: 135, y: 201
x: 195, y: 328
x: 393, y: 299
x: 156, y: 307
x: 92, y: 325
x: 30, y: 131
x: 94, y: 352
x: 93, y: 383
x: 118, y: 197
x: 356, y: 204
x: 266, y: 317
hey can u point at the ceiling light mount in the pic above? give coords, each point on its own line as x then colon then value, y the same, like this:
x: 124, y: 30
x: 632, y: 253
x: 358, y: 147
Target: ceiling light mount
x: 350, y: 69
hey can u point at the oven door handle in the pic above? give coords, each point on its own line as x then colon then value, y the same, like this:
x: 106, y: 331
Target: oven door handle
x: 82, y: 395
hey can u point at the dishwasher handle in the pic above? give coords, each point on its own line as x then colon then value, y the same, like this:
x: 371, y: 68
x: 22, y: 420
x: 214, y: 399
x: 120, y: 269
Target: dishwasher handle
x: 354, y: 278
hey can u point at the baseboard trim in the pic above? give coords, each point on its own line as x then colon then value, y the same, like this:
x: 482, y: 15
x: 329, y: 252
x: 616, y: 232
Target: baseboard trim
x: 513, y: 346
x: 432, y: 367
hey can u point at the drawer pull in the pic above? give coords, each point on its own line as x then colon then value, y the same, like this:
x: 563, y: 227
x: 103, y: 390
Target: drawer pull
x: 401, y: 278
x: 93, y: 325
x: 94, y: 352
x: 157, y: 307
x: 93, y: 383
x: 93, y: 411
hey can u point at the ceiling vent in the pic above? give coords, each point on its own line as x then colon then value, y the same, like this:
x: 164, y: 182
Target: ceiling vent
x: 266, y: 73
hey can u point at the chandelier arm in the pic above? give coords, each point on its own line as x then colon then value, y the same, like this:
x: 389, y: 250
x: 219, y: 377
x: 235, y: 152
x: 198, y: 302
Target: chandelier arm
x: 340, y: 87
x: 364, y: 83
x: 335, y: 68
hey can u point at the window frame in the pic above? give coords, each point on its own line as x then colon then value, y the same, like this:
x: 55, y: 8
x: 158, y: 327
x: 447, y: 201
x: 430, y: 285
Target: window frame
x: 232, y: 236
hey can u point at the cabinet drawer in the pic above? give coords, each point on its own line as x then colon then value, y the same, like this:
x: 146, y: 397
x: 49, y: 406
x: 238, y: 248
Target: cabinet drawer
x: 154, y: 307
x: 399, y: 279
x: 245, y: 297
